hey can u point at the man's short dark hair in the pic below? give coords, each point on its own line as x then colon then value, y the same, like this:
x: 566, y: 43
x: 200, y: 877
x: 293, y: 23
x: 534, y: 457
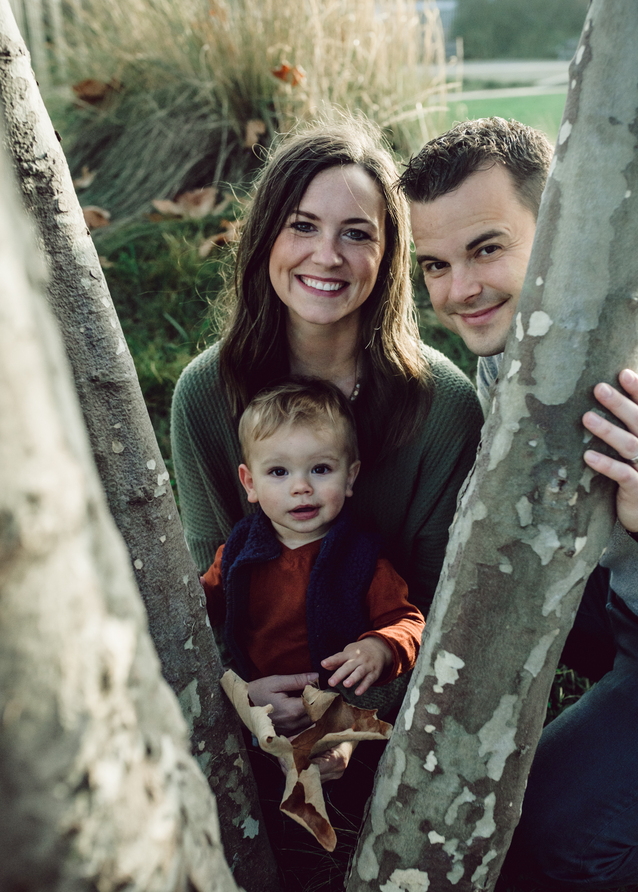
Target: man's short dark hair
x: 445, y: 162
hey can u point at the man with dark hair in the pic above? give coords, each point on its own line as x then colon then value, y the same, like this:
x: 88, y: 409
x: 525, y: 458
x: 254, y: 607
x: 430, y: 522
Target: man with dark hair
x: 475, y: 192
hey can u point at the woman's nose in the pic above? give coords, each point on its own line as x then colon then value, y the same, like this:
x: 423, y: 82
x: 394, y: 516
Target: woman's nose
x: 327, y: 251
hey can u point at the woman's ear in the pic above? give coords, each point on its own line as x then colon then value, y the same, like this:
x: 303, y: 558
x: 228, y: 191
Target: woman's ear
x: 246, y: 480
x: 352, y: 476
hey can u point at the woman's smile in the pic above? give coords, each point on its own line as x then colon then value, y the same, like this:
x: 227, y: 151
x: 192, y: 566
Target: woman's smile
x: 324, y: 263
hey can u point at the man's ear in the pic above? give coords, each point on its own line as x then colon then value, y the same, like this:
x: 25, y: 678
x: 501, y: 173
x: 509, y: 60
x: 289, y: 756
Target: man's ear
x: 352, y: 476
x: 246, y: 480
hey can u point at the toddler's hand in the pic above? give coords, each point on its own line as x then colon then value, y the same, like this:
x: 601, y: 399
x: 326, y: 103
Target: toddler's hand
x: 362, y: 661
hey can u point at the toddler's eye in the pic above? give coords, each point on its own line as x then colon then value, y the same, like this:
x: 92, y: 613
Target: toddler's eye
x: 278, y: 472
x: 321, y: 469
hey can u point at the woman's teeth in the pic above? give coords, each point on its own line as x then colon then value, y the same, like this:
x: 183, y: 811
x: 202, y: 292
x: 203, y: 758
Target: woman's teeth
x: 321, y: 286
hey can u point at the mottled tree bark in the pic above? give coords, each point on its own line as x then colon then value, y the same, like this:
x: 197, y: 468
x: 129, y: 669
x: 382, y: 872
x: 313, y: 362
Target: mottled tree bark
x: 533, y: 519
x: 97, y: 786
x: 129, y: 462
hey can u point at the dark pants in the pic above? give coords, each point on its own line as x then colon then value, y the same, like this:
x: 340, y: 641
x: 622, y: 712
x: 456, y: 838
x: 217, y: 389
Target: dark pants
x: 579, y: 825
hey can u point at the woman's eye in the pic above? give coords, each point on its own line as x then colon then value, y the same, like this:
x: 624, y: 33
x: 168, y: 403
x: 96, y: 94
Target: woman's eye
x: 357, y: 235
x: 301, y: 226
x: 278, y: 472
x: 321, y: 469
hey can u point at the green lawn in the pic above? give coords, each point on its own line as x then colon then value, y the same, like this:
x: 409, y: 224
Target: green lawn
x: 542, y: 112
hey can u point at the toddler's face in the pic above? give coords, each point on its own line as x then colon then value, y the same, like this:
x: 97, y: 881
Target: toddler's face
x: 300, y: 476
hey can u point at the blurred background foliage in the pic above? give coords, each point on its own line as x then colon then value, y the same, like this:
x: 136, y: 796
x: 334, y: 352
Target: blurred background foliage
x: 519, y: 29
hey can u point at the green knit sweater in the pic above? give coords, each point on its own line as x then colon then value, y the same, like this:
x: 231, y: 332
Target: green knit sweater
x: 409, y: 497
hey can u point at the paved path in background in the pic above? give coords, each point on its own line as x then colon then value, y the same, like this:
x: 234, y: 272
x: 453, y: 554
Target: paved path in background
x: 545, y: 73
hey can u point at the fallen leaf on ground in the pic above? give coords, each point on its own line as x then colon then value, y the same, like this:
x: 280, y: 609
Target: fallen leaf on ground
x: 95, y: 92
x: 96, y: 218
x: 194, y: 204
x: 85, y: 179
x: 230, y: 233
x: 283, y: 71
x: 105, y: 263
x: 254, y: 129
x: 335, y: 721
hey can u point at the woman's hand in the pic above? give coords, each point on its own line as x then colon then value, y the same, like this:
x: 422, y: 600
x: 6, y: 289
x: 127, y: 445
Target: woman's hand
x: 362, y: 661
x: 288, y: 716
x: 625, y: 442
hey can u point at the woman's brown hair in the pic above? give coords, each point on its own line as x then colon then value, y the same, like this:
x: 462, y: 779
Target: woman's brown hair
x: 396, y: 389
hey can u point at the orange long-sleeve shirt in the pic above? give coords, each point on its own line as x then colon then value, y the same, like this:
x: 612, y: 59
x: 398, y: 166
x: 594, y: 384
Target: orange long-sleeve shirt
x: 276, y: 633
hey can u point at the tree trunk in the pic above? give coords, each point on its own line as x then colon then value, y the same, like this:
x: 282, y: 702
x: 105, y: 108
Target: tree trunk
x: 533, y: 520
x: 129, y: 462
x: 98, y: 789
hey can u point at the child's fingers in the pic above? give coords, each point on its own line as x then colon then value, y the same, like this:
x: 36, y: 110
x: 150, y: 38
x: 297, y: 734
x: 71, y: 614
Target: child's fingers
x: 334, y: 661
x: 349, y: 673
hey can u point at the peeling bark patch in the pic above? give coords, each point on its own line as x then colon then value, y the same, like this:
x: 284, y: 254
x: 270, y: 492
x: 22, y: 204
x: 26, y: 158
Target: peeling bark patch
x: 435, y: 837
x: 520, y: 331
x: 433, y: 709
x: 524, y: 511
x: 538, y: 654
x: 446, y: 668
x: 456, y: 873
x: 515, y: 366
x: 557, y: 591
x: 189, y: 644
x: 580, y: 53
x: 497, y: 736
x: 539, y: 324
x: 121, y: 347
x: 485, y: 826
x: 481, y: 871
x: 505, y: 566
x: 546, y: 543
x: 464, y: 797
x: 138, y: 564
x: 628, y: 193
x: 429, y: 729
x: 250, y: 828
x: 430, y: 761
x: 151, y: 464
x: 387, y: 788
x: 117, y: 447
x: 586, y: 479
x: 190, y: 704
x: 579, y: 544
x: 563, y: 134
x: 411, y: 880
x: 539, y: 281
x: 162, y: 478
x: 409, y: 712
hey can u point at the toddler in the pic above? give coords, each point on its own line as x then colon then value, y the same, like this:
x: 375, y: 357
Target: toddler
x: 297, y: 587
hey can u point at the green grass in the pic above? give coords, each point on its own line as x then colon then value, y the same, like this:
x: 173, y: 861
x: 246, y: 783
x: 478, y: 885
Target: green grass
x: 543, y: 112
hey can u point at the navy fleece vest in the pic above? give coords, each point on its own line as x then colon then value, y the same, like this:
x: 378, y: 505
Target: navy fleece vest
x: 336, y: 609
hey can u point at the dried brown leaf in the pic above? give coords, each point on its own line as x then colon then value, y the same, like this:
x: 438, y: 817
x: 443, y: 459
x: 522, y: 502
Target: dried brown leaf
x: 335, y: 721
x: 194, y: 204
x: 96, y: 218
x: 230, y: 233
x: 254, y: 129
x: 85, y: 179
x: 95, y: 92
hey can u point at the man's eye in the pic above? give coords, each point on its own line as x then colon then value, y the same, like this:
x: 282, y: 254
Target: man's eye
x: 321, y: 469
x: 488, y: 250
x: 278, y: 472
x: 434, y: 266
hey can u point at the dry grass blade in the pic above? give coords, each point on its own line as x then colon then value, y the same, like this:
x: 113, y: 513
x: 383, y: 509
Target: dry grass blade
x: 196, y: 76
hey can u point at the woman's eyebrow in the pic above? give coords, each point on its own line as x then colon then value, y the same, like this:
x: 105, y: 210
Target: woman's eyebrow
x: 349, y: 222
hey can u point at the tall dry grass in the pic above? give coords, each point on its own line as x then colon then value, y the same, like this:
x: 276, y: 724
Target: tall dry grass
x: 195, y: 72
